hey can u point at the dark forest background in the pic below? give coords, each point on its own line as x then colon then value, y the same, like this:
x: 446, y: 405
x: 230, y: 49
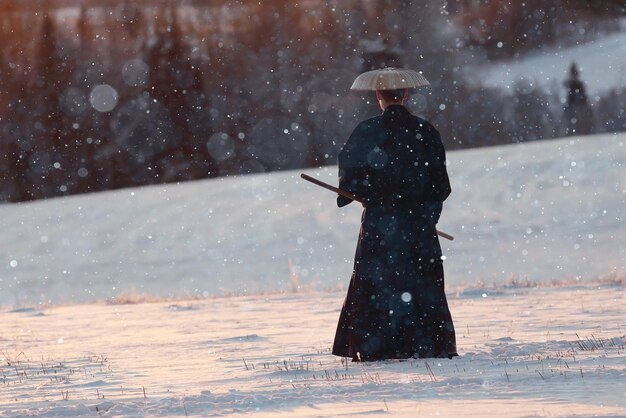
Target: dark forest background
x: 111, y: 94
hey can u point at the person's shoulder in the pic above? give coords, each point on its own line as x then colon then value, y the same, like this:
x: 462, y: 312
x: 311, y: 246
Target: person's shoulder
x: 424, y: 124
x: 427, y: 129
x: 365, y: 135
x: 369, y: 124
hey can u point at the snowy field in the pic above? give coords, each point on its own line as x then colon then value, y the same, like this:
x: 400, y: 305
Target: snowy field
x: 246, y: 275
x: 525, y: 352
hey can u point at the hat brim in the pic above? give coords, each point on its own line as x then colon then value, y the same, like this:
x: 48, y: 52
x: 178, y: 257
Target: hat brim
x: 389, y: 79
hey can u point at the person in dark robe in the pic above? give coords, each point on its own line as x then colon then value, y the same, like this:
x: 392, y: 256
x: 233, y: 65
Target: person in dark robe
x: 396, y: 307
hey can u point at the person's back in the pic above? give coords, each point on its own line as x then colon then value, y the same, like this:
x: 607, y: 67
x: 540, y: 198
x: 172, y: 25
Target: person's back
x: 396, y: 305
x: 396, y: 162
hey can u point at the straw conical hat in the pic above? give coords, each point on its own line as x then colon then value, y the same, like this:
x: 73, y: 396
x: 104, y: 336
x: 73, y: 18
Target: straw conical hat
x: 389, y: 79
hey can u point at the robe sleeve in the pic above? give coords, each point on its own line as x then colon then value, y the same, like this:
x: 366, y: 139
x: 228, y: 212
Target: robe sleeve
x: 353, y: 170
x: 343, y: 181
x: 440, y: 182
x: 438, y: 188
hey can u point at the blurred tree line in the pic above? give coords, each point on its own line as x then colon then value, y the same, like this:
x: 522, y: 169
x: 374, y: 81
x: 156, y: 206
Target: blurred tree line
x: 126, y: 94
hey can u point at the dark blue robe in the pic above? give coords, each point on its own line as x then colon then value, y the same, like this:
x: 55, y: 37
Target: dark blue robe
x: 396, y: 306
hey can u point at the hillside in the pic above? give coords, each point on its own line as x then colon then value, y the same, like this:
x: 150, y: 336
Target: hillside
x: 543, y: 211
x: 602, y: 63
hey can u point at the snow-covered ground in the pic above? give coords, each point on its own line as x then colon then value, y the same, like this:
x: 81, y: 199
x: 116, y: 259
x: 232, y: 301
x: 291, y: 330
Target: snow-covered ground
x: 602, y: 64
x: 525, y: 352
x: 524, y: 216
x: 543, y: 211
